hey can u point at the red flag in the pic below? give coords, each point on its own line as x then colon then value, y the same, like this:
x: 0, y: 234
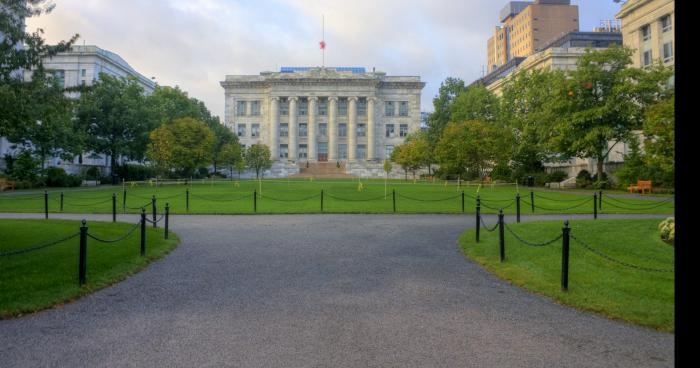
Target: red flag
x: 322, y: 44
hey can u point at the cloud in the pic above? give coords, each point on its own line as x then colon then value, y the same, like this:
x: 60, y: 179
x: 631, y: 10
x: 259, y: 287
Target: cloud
x: 195, y: 44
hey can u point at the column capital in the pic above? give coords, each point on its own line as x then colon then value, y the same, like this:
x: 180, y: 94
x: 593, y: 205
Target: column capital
x: 352, y: 98
x: 292, y: 98
x: 275, y: 98
x: 333, y: 98
x: 312, y: 98
x: 372, y: 99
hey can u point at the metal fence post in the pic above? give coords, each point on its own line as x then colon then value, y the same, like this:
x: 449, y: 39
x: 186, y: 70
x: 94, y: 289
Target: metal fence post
x: 393, y: 198
x: 462, y: 201
x: 61, y: 201
x: 565, y: 256
x: 600, y: 200
x: 255, y: 201
x: 517, y: 206
x: 321, y: 200
x: 46, y: 204
x: 595, y: 206
x: 143, y: 231
x: 124, y: 200
x: 82, y: 260
x: 478, y: 216
x: 167, y: 215
x: 501, y: 236
x: 532, y: 200
x: 187, y: 199
x: 114, y: 207
x: 153, y: 209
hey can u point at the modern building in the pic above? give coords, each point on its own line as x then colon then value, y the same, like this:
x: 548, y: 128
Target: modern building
x: 320, y: 114
x: 647, y: 28
x: 527, y: 26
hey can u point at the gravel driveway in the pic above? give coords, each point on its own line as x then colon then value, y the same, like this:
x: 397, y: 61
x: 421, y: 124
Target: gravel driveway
x: 322, y: 291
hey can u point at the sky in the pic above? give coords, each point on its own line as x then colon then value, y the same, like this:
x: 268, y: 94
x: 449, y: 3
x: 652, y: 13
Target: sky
x: 195, y: 44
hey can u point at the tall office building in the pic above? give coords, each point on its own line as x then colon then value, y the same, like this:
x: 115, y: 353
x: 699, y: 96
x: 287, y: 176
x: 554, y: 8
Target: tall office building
x: 647, y: 28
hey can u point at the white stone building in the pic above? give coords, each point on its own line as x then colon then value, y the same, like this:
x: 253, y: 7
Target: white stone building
x: 319, y: 114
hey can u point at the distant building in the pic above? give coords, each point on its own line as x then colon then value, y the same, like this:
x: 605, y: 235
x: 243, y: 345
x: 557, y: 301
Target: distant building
x: 526, y: 27
x: 647, y: 28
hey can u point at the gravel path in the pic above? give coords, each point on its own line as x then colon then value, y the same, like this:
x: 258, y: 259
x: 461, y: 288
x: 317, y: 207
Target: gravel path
x: 322, y: 291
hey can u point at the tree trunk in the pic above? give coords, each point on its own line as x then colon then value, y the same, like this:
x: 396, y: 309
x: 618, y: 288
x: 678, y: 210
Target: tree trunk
x: 599, y: 165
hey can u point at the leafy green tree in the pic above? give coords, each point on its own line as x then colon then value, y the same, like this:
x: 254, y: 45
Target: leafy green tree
x: 160, y: 149
x: 230, y: 155
x: 442, y: 103
x: 182, y: 145
x: 257, y: 158
x: 660, y: 138
x: 475, y: 103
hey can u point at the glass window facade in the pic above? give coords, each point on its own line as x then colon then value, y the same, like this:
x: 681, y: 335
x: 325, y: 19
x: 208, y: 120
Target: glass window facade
x: 342, y: 130
x: 342, y: 107
x: 403, y: 108
x: 343, y: 151
x: 389, y: 130
x: 241, y: 130
x: 284, y: 107
x: 255, y: 130
x: 361, y: 130
x: 303, y: 131
x: 240, y: 108
x: 284, y: 130
x: 403, y: 130
x: 284, y: 151
x: 389, y: 108
x: 322, y: 106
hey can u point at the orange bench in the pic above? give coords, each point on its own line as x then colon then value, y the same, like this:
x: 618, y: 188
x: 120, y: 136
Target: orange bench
x: 6, y: 184
x: 641, y: 186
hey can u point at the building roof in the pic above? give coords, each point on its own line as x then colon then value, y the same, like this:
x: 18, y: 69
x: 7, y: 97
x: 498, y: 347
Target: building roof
x: 352, y: 69
x: 111, y: 57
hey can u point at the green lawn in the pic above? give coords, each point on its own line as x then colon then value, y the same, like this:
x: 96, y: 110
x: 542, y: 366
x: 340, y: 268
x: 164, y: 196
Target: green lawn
x: 304, y: 196
x: 595, y: 284
x: 40, y: 279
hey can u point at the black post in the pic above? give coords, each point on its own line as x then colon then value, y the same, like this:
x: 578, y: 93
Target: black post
x: 393, y: 198
x: 187, y: 199
x: 46, y: 204
x: 478, y: 216
x: 143, y: 231
x: 114, y: 207
x: 255, y: 201
x: 600, y: 200
x: 124, y: 200
x: 532, y: 201
x: 153, y: 209
x: 167, y: 215
x: 565, y: 256
x: 517, y: 206
x: 82, y: 260
x: 595, y: 206
x: 321, y: 196
x: 462, y: 201
x: 501, y: 236
x: 61, y: 201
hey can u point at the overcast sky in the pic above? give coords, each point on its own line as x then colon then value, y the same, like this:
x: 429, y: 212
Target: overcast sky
x: 195, y: 44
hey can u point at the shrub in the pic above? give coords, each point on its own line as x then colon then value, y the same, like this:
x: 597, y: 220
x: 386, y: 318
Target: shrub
x: 667, y: 228
x: 556, y: 176
x: 23, y: 167
x: 130, y: 172
x: 57, y: 177
x: 501, y: 172
x: 584, y: 179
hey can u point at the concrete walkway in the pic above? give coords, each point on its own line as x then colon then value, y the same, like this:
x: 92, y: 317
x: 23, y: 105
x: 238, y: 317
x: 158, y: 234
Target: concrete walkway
x: 322, y: 291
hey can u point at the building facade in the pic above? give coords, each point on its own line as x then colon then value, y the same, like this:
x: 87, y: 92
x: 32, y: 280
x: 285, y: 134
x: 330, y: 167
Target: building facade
x: 527, y: 26
x: 647, y: 28
x: 320, y: 114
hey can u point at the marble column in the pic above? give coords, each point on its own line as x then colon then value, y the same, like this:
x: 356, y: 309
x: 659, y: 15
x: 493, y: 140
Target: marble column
x: 352, y: 128
x: 311, y: 131
x: 370, y: 129
x: 332, y: 129
x: 275, y: 128
x: 293, y: 129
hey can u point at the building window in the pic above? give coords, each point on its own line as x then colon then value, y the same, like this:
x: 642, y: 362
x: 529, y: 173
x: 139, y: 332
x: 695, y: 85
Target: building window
x: 403, y: 130
x: 390, y: 131
x: 342, y: 130
x: 389, y: 108
x: 342, y: 107
x: 668, y: 52
x: 60, y: 76
x: 255, y: 108
x: 646, y: 58
x: 284, y: 130
x: 388, y: 150
x: 322, y: 130
x: 322, y: 106
x: 302, y: 130
x: 361, y: 130
x: 361, y: 152
x: 240, y: 108
x: 361, y: 106
x: 255, y: 130
x: 241, y: 130
x: 284, y: 151
x: 303, y: 107
x: 666, y: 23
x: 284, y: 107
x: 646, y: 32
x: 403, y: 108
x: 302, y: 152
x: 343, y: 151
x: 83, y: 72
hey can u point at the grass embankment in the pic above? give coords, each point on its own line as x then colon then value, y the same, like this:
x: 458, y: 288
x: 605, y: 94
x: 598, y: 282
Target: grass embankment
x: 595, y: 284
x: 304, y: 196
x: 43, y: 278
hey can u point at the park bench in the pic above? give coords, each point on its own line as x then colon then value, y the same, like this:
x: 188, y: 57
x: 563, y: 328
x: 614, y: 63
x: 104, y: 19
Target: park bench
x: 6, y: 184
x: 641, y: 186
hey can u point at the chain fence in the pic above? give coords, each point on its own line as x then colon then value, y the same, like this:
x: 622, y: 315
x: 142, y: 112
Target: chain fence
x: 529, y: 243
x: 38, y: 247
x: 597, y: 252
x: 123, y: 237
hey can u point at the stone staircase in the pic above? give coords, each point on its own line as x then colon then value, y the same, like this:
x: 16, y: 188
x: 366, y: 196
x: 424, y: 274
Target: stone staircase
x: 321, y: 170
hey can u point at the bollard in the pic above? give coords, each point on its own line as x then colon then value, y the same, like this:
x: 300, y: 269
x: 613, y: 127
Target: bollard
x: 462, y: 201
x: 255, y: 201
x: 393, y: 198
x: 478, y: 216
x: 82, y: 260
x: 532, y: 201
x: 517, y: 206
x: 187, y: 199
x: 595, y: 206
x: 167, y: 215
x: 114, y: 207
x: 565, y: 256
x: 124, y: 200
x: 153, y: 209
x: 46, y: 204
x: 501, y: 236
x: 143, y: 231
x: 321, y: 194
x: 600, y: 200
x: 61, y: 201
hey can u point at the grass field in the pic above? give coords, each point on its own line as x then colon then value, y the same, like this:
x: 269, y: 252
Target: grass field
x: 40, y: 279
x: 595, y: 284
x: 304, y: 196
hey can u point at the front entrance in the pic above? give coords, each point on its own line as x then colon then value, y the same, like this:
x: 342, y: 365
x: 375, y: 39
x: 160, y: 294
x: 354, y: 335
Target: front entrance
x: 322, y: 151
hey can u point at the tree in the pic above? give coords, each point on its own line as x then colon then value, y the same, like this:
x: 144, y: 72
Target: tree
x: 387, y: 170
x: 448, y: 92
x: 181, y: 146
x: 115, y: 118
x: 231, y: 155
x: 659, y: 143
x: 257, y: 158
x: 475, y: 103
x: 472, y: 148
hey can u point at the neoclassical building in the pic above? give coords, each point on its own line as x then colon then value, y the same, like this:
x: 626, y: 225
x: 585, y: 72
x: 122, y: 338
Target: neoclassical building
x: 319, y: 114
